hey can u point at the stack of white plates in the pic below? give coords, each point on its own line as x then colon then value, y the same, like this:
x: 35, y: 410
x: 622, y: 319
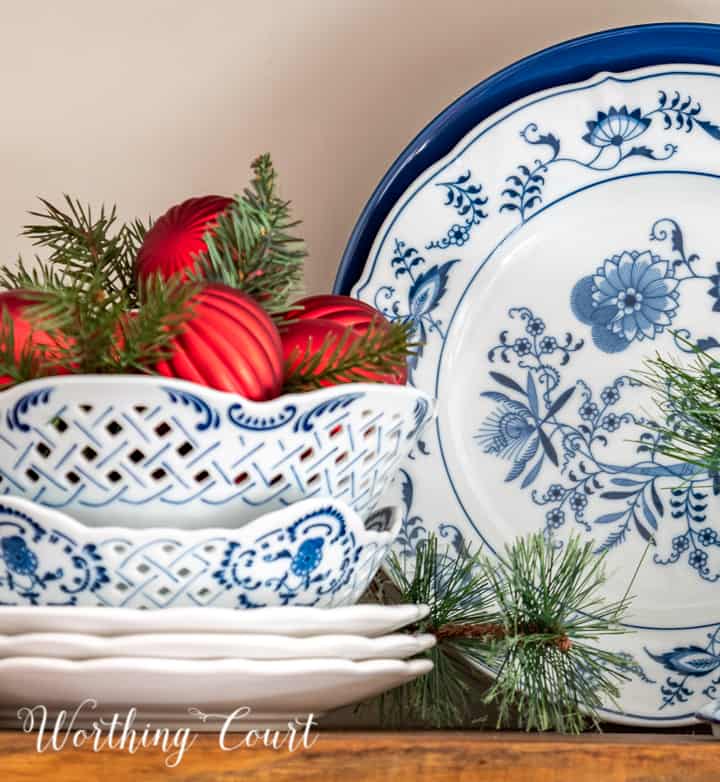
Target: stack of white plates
x: 185, y: 666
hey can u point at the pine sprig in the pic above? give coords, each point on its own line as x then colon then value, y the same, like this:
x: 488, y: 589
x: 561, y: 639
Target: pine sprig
x: 533, y: 617
x: 687, y: 398
x: 84, y: 251
x: 86, y: 298
x: 31, y: 362
x: 548, y: 667
x: 457, y: 595
x: 382, y: 350
x: 253, y: 248
x: 147, y: 334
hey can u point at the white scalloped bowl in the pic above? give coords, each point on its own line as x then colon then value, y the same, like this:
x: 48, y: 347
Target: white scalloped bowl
x: 138, y: 451
x: 317, y: 552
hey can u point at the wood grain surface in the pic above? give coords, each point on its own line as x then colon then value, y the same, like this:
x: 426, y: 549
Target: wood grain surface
x: 354, y: 757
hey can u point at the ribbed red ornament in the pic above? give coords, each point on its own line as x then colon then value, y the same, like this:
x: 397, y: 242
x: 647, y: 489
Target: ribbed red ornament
x: 171, y: 245
x: 230, y: 343
x: 16, y: 303
x: 309, y: 335
x: 340, y: 309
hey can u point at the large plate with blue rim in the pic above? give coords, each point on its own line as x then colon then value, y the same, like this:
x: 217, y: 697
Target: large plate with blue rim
x: 565, y: 239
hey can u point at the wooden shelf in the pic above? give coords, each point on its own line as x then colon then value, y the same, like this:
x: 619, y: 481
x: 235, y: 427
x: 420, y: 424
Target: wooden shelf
x: 459, y: 756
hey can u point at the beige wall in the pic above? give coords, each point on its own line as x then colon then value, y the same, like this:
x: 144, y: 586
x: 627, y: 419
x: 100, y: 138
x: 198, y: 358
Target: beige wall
x: 145, y: 102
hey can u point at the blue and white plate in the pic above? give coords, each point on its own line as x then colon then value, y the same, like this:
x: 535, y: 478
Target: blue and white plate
x: 566, y: 239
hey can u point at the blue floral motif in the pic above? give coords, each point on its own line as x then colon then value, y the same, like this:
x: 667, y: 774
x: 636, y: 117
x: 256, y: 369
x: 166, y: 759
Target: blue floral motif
x: 424, y: 294
x: 210, y: 416
x: 714, y: 291
x: 288, y: 562
x: 17, y: 556
x: 510, y: 432
x: 611, y: 135
x: 689, y: 665
x: 467, y: 200
x: 616, y: 127
x: 632, y: 296
x: 547, y: 429
x: 413, y: 530
x: 23, y: 579
x: 14, y: 416
x: 244, y: 420
x: 314, y: 559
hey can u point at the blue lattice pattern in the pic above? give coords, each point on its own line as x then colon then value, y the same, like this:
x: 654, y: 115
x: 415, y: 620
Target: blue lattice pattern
x: 316, y: 553
x: 184, y: 455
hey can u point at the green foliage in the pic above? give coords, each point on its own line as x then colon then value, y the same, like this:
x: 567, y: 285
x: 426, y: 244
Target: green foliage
x: 252, y: 248
x: 382, y: 350
x: 457, y: 595
x: 550, y: 667
x: 533, y: 616
x: 83, y: 293
x: 85, y: 251
x: 687, y: 398
x: 29, y: 363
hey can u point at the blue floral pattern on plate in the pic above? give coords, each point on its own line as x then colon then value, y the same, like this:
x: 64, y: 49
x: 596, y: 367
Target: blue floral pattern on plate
x: 575, y: 444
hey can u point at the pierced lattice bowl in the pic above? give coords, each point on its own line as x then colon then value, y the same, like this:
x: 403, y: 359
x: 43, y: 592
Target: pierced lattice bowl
x: 318, y: 552
x: 136, y: 451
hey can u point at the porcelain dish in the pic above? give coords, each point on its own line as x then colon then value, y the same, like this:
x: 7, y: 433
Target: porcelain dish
x: 296, y: 621
x: 200, y: 646
x: 197, y: 693
x: 136, y: 451
x: 711, y: 713
x: 616, y: 50
x: 317, y: 552
x: 567, y: 238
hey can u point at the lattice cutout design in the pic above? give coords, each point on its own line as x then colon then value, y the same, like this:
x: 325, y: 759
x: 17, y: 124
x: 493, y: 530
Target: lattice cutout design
x: 100, y: 446
x: 315, y: 556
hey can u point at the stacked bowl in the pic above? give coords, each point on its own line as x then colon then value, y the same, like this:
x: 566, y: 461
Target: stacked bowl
x: 131, y: 492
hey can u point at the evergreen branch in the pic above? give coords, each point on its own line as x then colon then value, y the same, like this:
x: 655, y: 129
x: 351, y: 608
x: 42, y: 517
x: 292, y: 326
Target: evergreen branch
x: 147, y: 334
x: 382, y: 350
x: 39, y: 277
x: 687, y: 397
x: 533, y: 617
x: 457, y: 595
x: 84, y: 251
x: 98, y: 334
x: 548, y: 667
x: 30, y: 362
x: 252, y: 247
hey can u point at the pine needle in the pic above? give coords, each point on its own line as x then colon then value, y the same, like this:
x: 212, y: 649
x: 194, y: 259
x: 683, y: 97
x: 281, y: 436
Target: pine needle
x: 687, y: 398
x: 534, y: 616
x: 252, y: 247
x: 31, y: 361
x: 381, y: 351
x: 85, y: 297
x: 549, y: 667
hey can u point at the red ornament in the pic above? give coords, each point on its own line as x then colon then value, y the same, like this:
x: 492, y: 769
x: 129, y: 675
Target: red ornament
x: 230, y: 343
x: 16, y: 302
x: 171, y: 245
x: 307, y: 337
x: 340, y: 309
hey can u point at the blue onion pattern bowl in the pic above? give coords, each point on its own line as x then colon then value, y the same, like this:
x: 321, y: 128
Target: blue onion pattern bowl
x: 318, y: 553
x: 137, y: 451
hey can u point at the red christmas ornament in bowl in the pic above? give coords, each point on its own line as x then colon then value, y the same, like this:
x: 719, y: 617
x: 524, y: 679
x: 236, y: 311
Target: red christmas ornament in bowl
x: 307, y: 337
x: 229, y: 343
x: 172, y: 244
x: 343, y: 310
x: 26, y: 334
